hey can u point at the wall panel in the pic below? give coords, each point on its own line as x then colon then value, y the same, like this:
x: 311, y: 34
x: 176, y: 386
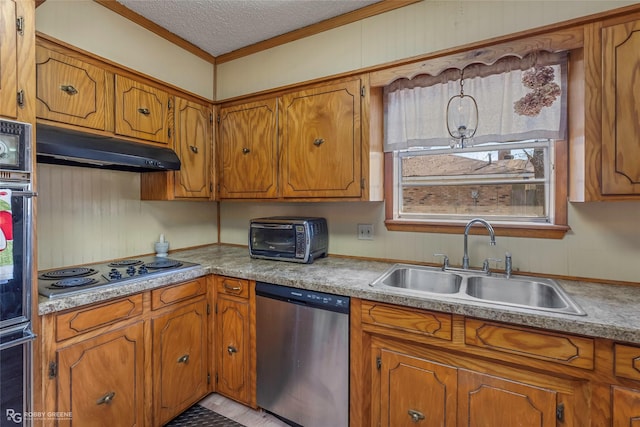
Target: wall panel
x: 90, y: 215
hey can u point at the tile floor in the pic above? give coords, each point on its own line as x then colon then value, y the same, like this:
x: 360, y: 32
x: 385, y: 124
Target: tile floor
x: 199, y: 416
x: 226, y: 413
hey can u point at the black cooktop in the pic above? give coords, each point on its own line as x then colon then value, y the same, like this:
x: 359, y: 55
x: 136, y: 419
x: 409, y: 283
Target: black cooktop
x: 79, y: 279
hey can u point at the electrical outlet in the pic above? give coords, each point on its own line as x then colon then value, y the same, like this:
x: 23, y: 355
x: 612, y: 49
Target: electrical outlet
x: 365, y: 231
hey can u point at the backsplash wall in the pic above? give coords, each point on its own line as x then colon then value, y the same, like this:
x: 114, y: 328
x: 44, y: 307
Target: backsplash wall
x: 604, y: 241
x: 89, y: 215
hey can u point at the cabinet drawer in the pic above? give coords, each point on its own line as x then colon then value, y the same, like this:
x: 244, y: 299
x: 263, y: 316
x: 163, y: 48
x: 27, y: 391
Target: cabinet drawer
x: 559, y: 348
x: 231, y: 286
x: 96, y: 316
x: 173, y: 294
x: 417, y: 321
x: 627, y: 361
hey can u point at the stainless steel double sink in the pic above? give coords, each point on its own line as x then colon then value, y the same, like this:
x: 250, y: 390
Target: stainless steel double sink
x: 517, y: 291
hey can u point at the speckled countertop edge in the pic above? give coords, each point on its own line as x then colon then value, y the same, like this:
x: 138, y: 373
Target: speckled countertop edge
x: 612, y: 310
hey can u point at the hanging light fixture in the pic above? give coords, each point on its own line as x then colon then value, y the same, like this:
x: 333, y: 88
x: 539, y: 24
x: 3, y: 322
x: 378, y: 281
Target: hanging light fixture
x: 462, y: 116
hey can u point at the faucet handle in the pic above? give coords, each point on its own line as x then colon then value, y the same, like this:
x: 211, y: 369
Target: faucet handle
x: 485, y: 264
x: 445, y: 261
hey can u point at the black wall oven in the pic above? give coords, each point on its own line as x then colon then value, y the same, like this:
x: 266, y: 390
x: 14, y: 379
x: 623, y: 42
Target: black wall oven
x: 16, y: 278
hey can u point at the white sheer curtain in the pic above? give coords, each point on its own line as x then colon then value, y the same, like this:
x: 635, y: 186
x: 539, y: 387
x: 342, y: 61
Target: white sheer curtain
x: 415, y: 110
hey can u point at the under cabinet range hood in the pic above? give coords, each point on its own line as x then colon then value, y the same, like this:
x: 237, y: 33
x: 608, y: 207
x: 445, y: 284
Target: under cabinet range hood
x: 68, y: 147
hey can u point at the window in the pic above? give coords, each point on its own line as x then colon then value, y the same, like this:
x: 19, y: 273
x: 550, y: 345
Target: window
x: 503, y: 182
x: 512, y: 172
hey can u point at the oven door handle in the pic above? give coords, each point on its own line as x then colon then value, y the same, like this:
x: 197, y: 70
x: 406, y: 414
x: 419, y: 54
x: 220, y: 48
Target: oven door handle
x: 273, y: 226
x: 28, y: 336
x: 24, y: 193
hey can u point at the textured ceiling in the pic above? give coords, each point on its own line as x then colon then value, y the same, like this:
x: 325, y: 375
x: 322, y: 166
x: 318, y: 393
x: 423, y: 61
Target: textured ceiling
x: 222, y: 26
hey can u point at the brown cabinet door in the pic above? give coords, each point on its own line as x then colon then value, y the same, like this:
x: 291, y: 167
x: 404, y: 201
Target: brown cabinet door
x: 232, y: 349
x: 247, y: 151
x: 321, y: 141
x: 626, y: 407
x: 100, y: 381
x: 179, y: 360
x: 193, y: 146
x: 141, y: 111
x: 8, y: 59
x: 69, y: 90
x: 489, y: 401
x: 621, y: 109
x: 415, y: 391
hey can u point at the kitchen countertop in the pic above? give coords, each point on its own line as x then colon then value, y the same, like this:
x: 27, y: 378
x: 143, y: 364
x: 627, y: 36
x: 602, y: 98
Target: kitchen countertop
x: 612, y: 310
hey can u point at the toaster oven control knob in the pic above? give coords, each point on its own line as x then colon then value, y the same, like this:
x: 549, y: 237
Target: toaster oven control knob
x: 115, y: 274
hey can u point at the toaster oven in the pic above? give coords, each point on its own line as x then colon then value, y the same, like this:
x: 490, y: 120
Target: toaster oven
x: 295, y: 239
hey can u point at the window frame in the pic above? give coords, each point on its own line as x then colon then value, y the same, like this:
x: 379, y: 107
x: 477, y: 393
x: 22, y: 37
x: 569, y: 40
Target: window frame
x: 401, y: 183
x: 555, y: 230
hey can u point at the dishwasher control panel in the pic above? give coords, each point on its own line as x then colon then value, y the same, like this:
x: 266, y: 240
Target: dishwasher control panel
x: 302, y: 296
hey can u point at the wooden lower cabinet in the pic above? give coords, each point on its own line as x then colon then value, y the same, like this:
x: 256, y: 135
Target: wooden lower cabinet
x: 179, y: 360
x: 406, y: 373
x: 134, y: 361
x: 625, y: 407
x: 489, y: 401
x: 233, y: 376
x: 102, y: 379
x: 415, y: 391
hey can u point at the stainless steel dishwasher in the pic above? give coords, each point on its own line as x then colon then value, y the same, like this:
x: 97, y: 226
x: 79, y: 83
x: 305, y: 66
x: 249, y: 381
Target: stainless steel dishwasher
x: 303, y: 355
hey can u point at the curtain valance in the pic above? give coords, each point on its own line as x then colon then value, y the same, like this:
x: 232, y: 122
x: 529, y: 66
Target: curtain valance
x: 517, y: 99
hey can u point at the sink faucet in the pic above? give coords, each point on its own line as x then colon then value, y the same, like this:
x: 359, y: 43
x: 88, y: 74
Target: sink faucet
x: 465, y: 257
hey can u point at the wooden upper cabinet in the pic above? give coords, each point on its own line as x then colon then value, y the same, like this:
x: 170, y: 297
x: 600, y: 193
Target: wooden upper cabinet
x: 142, y: 111
x: 621, y: 109
x: 193, y: 144
x: 70, y: 90
x: 248, y: 150
x: 321, y: 141
x: 8, y: 60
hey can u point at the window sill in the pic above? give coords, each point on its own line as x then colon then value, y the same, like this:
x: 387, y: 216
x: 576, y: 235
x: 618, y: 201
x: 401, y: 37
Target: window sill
x: 542, y: 231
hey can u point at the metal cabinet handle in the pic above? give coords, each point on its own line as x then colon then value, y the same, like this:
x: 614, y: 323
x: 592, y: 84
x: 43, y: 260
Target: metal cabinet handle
x: 416, y: 416
x: 245, y: 150
x: 68, y: 89
x: 144, y: 111
x: 232, y: 288
x: 194, y: 148
x: 231, y: 349
x: 318, y: 142
x: 106, y: 399
x: 184, y: 359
